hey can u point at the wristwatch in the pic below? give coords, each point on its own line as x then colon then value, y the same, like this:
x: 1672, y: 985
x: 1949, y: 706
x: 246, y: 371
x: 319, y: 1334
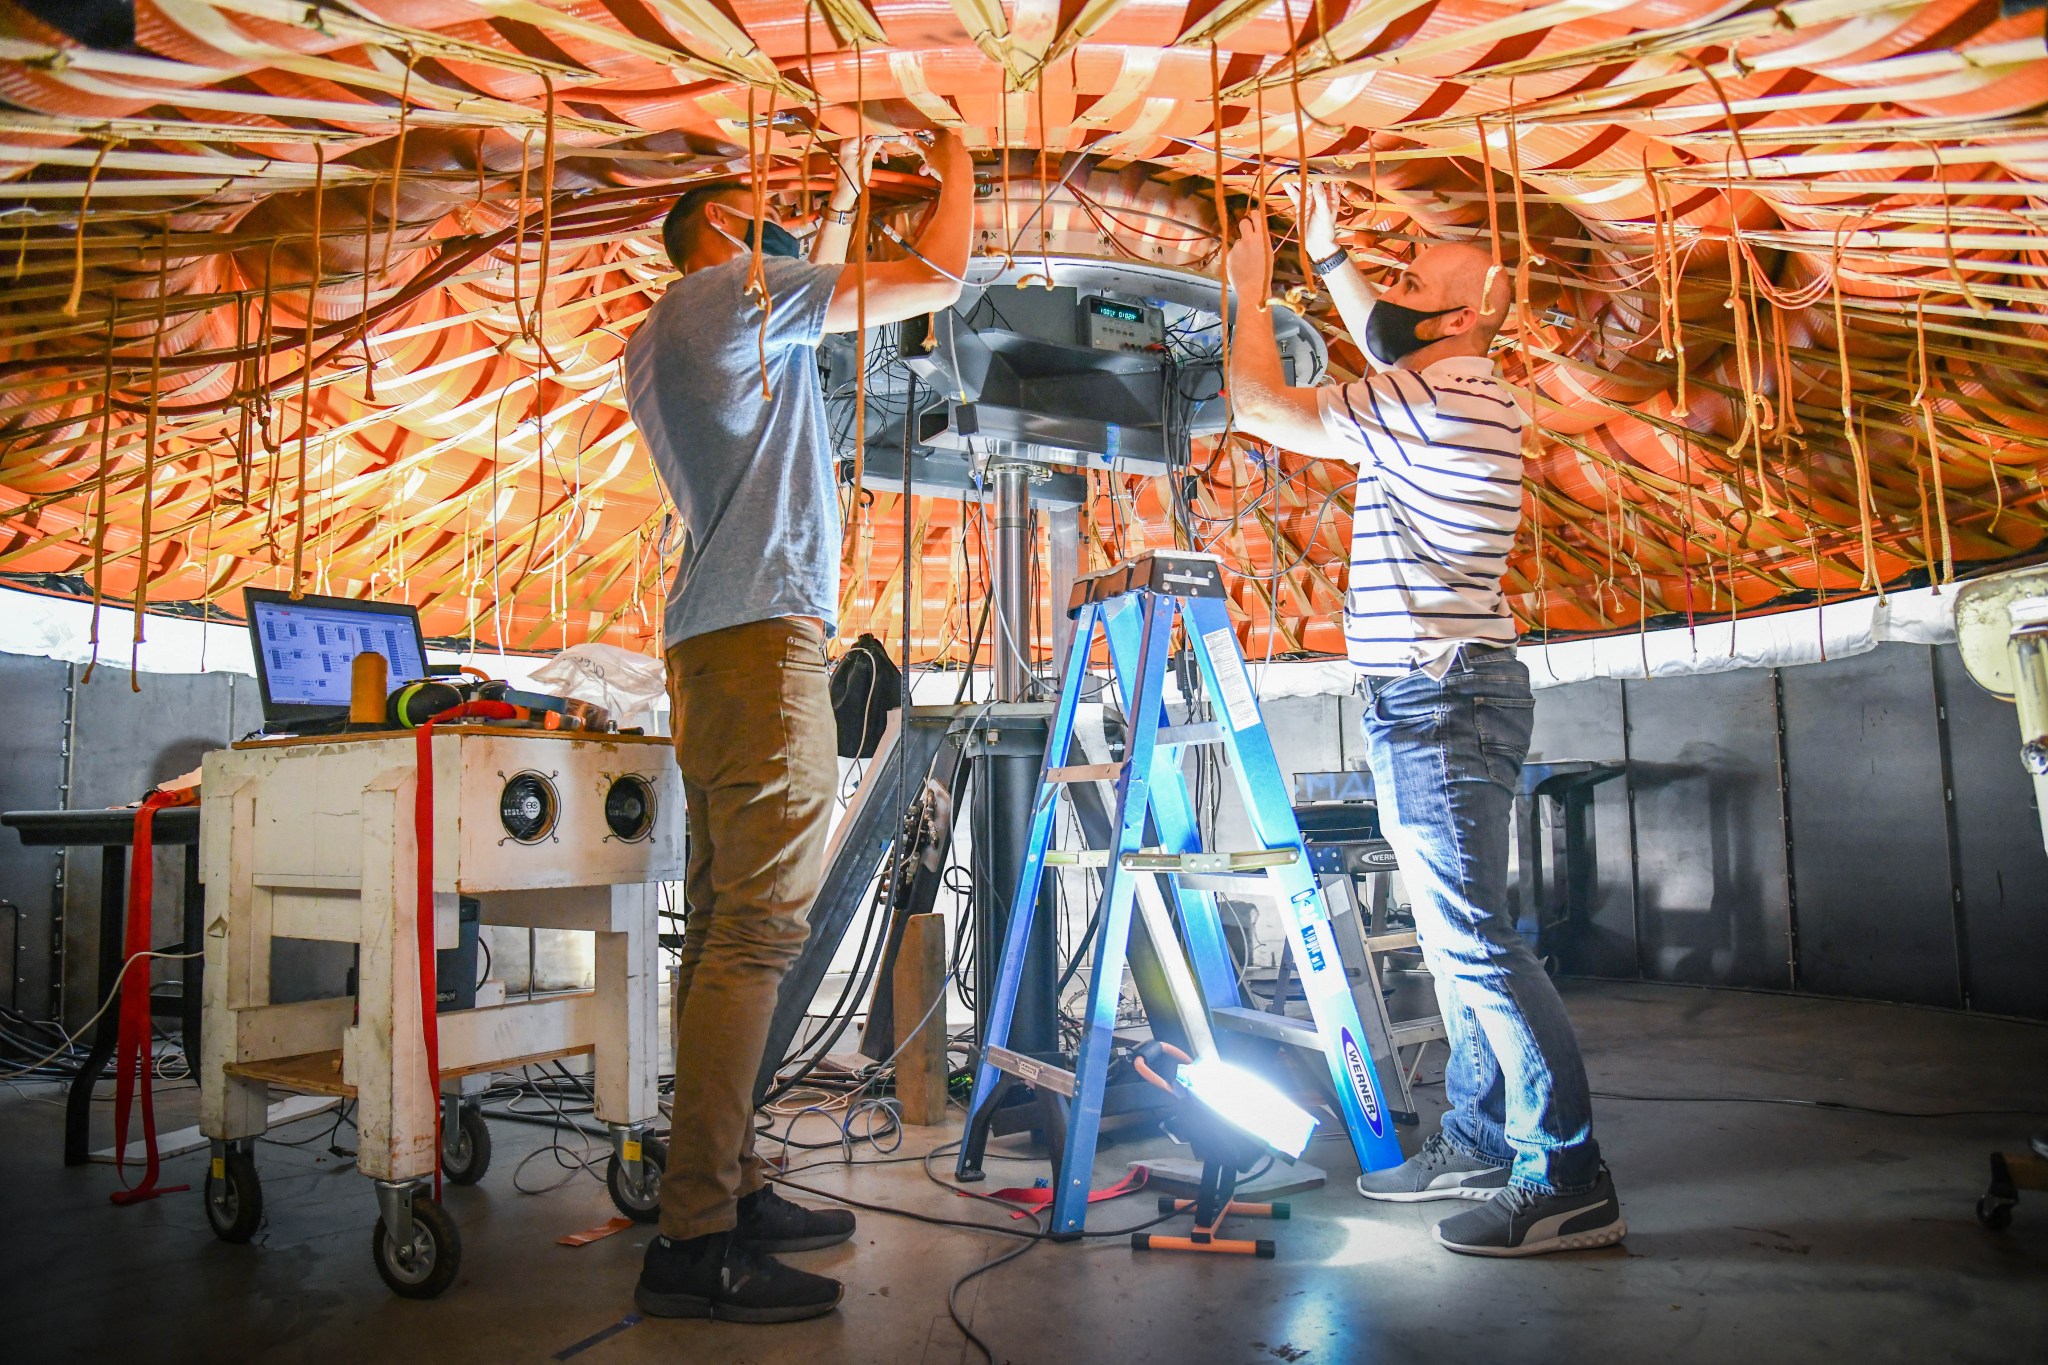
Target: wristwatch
x: 1330, y: 263
x: 843, y: 217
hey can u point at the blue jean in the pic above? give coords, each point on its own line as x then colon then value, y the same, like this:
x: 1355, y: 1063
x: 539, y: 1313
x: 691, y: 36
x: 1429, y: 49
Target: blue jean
x: 1446, y: 756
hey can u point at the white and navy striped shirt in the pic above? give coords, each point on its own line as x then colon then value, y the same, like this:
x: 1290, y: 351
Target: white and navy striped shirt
x: 1439, y: 456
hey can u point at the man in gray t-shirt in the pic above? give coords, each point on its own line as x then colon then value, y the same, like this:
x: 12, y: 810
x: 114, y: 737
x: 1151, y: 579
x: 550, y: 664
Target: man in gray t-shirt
x: 722, y: 380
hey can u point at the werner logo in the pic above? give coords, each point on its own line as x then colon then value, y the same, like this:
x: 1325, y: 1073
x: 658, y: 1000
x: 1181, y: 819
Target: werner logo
x: 1361, y: 1083
x: 1313, y: 947
x: 1377, y: 858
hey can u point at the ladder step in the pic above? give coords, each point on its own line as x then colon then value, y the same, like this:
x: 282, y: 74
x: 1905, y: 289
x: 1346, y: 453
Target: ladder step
x: 1394, y: 942
x: 1241, y: 885
x: 1086, y: 772
x: 1031, y: 1071
x: 1428, y: 1030
x: 1156, y: 860
x: 1277, y: 1028
x: 1211, y: 862
x: 1203, y: 732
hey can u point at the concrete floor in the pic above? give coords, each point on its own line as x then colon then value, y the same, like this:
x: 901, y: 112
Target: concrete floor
x: 1758, y: 1233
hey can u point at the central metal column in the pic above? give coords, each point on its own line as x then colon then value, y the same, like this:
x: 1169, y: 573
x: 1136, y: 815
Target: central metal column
x: 1007, y: 758
x: 1012, y: 555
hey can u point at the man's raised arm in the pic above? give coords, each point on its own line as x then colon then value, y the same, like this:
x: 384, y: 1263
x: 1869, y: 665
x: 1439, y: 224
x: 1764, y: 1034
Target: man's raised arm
x: 923, y: 282
x: 1261, y: 402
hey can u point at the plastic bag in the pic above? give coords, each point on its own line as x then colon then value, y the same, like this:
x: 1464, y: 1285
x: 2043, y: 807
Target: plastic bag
x: 626, y: 684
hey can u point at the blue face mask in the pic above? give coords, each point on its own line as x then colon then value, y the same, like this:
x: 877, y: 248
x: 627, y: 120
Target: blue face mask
x: 776, y: 240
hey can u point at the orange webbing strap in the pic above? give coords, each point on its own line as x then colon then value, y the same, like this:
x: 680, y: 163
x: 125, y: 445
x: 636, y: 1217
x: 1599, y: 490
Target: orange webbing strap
x: 1039, y: 1196
x: 133, y: 1065
x: 423, y: 924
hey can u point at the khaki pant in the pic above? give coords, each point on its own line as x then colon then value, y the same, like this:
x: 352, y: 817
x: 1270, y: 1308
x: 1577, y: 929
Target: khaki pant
x: 755, y: 739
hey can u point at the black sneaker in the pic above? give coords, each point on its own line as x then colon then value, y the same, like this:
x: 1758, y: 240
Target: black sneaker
x: 1520, y: 1221
x: 721, y: 1277
x: 768, y: 1222
x: 1436, y: 1171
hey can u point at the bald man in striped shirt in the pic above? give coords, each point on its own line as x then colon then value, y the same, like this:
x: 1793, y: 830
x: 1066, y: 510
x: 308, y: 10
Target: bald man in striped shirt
x: 1437, y: 439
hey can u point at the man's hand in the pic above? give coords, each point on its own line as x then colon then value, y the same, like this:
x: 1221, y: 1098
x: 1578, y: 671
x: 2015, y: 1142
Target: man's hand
x: 1250, y: 264
x: 856, y: 161
x: 948, y: 159
x: 1318, y: 218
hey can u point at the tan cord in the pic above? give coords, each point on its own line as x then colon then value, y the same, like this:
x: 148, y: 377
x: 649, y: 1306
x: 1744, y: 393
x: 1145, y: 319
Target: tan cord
x: 298, y: 588
x: 78, y: 244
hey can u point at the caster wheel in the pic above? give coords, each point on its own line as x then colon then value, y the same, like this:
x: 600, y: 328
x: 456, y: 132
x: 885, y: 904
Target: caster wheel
x: 1994, y: 1213
x: 643, y: 1206
x: 234, y: 1197
x: 466, y: 1152
x: 427, y: 1265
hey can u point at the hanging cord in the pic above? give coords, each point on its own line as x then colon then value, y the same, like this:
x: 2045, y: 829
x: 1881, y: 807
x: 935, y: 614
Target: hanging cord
x: 1222, y: 235
x: 757, y: 274
x: 1926, y: 407
x: 398, y: 166
x: 849, y: 535
x: 538, y: 332
x: 78, y: 242
x: 99, y: 525
x: 1948, y: 234
x: 1526, y: 254
x: 306, y: 379
x: 1494, y: 271
x: 519, y: 237
x: 149, y: 434
x: 1308, y: 276
x: 1865, y: 498
x: 1044, y: 185
x: 362, y: 303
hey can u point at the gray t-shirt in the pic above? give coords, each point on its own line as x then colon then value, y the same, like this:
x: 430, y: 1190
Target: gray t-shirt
x: 752, y: 479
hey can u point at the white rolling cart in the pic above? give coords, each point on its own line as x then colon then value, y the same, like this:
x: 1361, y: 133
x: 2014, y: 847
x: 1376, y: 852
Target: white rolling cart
x: 316, y: 839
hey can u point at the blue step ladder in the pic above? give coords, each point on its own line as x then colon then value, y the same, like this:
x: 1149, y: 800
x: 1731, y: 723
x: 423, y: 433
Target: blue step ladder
x: 1154, y: 867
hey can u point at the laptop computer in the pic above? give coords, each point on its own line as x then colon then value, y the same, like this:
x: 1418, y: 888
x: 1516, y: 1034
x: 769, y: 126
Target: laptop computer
x: 305, y: 652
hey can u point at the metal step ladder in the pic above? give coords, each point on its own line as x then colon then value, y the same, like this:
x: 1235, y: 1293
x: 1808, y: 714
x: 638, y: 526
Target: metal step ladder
x: 1154, y: 865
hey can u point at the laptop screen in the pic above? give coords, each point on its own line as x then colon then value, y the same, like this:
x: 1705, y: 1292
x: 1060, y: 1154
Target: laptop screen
x: 308, y: 647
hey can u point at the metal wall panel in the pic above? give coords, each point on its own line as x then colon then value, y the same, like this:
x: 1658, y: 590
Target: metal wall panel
x: 125, y: 742
x: 1998, y: 839
x: 1872, y: 895
x: 1584, y: 722
x: 31, y: 778
x: 1710, y: 841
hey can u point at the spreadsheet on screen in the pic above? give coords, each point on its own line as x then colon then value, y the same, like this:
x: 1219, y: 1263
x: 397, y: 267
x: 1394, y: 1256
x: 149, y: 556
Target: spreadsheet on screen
x: 308, y: 651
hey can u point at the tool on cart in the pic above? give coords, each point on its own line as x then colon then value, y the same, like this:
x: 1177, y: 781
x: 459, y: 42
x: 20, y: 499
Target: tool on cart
x: 1153, y: 861
x: 1226, y: 1151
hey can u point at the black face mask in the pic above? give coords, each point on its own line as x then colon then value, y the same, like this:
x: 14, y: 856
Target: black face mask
x: 776, y: 240
x: 1390, y: 330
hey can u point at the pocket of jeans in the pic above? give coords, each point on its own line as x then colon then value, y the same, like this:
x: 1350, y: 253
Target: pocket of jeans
x: 1410, y: 710
x: 1504, y: 725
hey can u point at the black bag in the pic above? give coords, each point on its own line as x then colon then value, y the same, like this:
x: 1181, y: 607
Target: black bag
x: 866, y: 687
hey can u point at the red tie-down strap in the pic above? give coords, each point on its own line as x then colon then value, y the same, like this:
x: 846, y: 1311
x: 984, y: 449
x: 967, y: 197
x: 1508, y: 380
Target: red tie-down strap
x: 423, y: 921
x: 1034, y: 1197
x: 423, y: 926
x: 132, y: 1049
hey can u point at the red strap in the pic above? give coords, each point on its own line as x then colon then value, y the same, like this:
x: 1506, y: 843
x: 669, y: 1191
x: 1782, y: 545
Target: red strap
x: 134, y: 1063
x: 423, y: 925
x: 1038, y: 1196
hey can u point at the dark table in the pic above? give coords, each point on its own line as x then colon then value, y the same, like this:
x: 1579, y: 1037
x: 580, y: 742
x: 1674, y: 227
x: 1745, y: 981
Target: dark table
x: 113, y: 833
x: 1551, y: 913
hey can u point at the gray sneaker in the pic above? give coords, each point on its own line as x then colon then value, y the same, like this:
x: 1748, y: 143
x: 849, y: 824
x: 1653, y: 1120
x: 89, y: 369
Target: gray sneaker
x: 1437, y: 1171
x: 1520, y: 1221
